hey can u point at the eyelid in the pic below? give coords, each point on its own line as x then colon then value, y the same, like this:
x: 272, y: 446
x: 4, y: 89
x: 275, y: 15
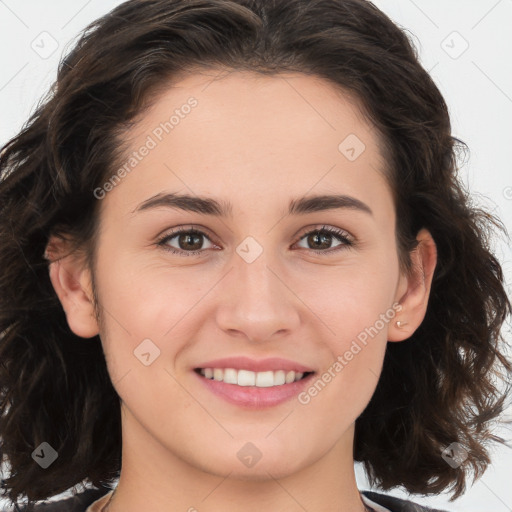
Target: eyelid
x: 326, y: 228
x: 187, y: 228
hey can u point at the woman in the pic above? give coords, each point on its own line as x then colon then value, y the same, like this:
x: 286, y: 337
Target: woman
x: 236, y: 259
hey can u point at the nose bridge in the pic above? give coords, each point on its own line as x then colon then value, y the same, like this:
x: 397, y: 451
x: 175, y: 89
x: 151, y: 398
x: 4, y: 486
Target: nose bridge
x: 258, y: 303
x: 257, y: 285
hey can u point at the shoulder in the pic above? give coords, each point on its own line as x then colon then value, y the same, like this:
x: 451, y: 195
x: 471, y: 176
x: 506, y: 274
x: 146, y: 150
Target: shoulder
x: 76, y: 503
x: 397, y: 504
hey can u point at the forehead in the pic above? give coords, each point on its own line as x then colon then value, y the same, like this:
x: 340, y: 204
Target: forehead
x: 242, y: 135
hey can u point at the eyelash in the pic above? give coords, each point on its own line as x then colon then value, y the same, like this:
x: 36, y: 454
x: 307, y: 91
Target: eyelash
x: 340, y: 234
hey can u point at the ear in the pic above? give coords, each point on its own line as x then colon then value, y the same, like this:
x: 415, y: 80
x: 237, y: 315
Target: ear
x: 413, y: 290
x: 71, y: 280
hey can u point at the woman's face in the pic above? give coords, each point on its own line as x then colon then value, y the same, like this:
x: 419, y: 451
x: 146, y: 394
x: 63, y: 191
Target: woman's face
x: 256, y: 282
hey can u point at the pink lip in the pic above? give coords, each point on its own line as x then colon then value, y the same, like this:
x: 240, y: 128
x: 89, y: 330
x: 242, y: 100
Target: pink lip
x: 252, y: 397
x: 263, y: 365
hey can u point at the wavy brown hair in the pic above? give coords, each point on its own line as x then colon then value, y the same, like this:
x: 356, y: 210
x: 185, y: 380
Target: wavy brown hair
x: 443, y: 385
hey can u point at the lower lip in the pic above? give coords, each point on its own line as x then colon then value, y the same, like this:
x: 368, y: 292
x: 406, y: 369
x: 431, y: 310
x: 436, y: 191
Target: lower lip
x: 253, y: 397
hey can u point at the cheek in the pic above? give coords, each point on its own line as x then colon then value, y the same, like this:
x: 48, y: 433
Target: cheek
x: 142, y: 310
x: 356, y: 307
x: 148, y: 299
x: 349, y: 300
x: 357, y: 314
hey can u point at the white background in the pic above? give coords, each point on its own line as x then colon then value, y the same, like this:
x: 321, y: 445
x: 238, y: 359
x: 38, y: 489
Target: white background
x: 476, y: 82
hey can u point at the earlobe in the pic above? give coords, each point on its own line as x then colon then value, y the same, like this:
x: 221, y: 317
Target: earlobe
x: 414, y: 290
x: 72, y: 283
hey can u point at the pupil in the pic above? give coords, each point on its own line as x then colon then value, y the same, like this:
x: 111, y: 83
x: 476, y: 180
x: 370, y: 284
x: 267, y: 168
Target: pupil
x: 322, y: 237
x: 187, y: 239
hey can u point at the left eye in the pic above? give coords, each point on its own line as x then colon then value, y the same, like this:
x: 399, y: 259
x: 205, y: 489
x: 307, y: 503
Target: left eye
x: 324, y: 237
x: 190, y: 243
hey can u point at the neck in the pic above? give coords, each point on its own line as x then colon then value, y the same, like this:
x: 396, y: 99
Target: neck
x: 153, y: 478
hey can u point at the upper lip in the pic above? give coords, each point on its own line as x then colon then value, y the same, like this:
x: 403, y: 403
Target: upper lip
x: 256, y: 365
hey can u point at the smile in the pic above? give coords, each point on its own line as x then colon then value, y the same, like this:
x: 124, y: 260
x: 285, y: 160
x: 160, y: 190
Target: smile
x: 253, y: 390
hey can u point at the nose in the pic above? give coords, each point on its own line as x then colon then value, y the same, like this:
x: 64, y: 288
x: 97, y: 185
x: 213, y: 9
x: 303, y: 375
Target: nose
x: 257, y: 302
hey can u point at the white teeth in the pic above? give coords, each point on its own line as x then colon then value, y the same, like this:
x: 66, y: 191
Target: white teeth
x: 265, y: 379
x: 248, y: 378
x: 230, y: 376
x: 279, y: 378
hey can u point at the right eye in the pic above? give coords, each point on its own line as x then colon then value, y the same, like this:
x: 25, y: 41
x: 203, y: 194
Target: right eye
x: 189, y: 236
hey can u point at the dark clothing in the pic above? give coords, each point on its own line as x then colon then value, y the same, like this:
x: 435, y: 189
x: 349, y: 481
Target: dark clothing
x: 76, y: 503
x: 81, y: 501
x: 397, y: 504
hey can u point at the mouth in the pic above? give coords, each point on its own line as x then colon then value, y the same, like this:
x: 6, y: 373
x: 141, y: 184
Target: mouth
x: 248, y: 378
x: 253, y: 390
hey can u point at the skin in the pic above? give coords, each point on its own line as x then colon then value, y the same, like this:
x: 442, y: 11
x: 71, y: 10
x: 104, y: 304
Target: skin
x: 257, y: 142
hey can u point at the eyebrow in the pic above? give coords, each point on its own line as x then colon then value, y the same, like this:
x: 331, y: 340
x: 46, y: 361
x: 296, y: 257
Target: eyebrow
x: 208, y: 206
